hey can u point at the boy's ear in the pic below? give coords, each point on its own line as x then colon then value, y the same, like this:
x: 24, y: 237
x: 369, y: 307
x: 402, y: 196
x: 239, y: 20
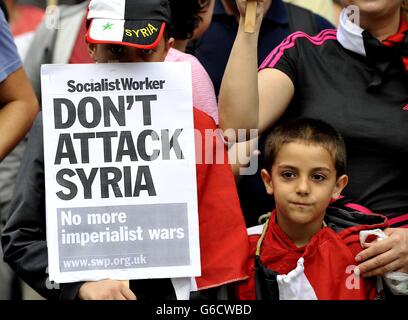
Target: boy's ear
x: 169, y: 44
x: 91, y: 50
x: 341, y: 183
x: 267, y: 180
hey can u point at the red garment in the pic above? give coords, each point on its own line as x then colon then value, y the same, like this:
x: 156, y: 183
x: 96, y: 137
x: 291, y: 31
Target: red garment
x: 223, y: 238
x: 399, y: 37
x: 80, y: 52
x: 328, y: 261
x: 28, y: 18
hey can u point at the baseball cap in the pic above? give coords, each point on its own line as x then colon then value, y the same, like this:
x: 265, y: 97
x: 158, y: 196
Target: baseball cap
x: 136, y: 23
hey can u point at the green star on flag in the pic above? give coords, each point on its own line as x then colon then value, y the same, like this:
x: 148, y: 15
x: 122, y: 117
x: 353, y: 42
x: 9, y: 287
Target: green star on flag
x: 107, y: 26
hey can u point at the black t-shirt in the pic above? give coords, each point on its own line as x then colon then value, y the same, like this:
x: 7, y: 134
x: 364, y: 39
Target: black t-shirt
x: 368, y: 106
x: 214, y: 47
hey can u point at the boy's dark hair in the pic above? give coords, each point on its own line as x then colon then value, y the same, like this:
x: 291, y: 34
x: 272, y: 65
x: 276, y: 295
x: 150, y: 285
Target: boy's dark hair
x: 307, y: 131
x: 184, y: 17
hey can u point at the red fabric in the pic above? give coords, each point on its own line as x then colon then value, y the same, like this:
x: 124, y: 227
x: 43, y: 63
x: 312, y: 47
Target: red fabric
x: 401, y: 218
x: 327, y: 259
x: 80, y: 52
x: 398, y: 38
x: 223, y: 237
x: 27, y: 19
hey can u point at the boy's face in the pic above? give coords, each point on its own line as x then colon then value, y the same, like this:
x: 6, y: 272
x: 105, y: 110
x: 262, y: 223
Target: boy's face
x: 303, y: 181
x: 104, y: 53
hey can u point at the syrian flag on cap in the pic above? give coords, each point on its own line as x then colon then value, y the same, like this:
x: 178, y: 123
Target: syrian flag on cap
x: 136, y: 23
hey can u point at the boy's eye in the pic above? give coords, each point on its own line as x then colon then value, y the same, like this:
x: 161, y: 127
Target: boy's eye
x: 288, y: 174
x: 318, y: 177
x: 116, y: 49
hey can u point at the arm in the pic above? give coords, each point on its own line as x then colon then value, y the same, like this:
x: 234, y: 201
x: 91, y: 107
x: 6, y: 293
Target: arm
x: 19, y: 107
x: 248, y: 99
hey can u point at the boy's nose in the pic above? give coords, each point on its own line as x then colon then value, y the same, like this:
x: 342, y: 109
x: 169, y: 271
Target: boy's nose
x: 303, y: 186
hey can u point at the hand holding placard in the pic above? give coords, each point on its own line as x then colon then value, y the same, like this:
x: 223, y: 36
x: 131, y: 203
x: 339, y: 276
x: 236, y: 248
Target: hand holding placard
x: 107, y: 289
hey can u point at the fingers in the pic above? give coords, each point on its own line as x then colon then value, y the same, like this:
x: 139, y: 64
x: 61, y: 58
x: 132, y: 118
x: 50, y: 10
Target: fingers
x: 116, y: 296
x: 375, y: 249
x: 379, y: 265
x: 390, y: 231
x: 106, y: 290
x: 383, y: 256
x: 125, y: 290
x: 128, y: 294
x: 119, y: 290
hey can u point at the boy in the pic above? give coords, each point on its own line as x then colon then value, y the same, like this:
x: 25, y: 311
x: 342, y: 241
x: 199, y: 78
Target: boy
x: 307, y: 248
x: 222, y: 229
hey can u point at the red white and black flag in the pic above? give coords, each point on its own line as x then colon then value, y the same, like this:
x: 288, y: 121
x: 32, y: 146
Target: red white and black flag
x: 128, y: 22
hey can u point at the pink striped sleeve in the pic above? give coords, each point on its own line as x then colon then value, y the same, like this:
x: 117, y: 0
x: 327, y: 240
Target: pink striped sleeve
x: 276, y: 54
x: 203, y: 90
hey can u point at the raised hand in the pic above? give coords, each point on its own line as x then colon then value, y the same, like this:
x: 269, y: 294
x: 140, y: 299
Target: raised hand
x: 261, y: 8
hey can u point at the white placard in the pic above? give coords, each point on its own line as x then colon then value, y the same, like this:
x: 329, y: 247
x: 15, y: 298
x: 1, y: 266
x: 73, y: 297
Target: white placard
x: 120, y: 173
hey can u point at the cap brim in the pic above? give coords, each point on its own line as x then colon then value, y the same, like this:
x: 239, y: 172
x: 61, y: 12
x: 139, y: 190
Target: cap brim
x: 143, y: 34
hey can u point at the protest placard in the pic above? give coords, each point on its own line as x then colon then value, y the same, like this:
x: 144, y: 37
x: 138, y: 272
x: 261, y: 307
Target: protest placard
x: 120, y: 178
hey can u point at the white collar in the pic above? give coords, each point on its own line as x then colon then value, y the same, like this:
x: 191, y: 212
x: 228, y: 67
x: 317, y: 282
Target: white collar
x: 349, y: 35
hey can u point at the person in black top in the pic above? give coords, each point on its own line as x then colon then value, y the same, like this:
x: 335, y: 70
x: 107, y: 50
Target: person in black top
x: 356, y: 79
